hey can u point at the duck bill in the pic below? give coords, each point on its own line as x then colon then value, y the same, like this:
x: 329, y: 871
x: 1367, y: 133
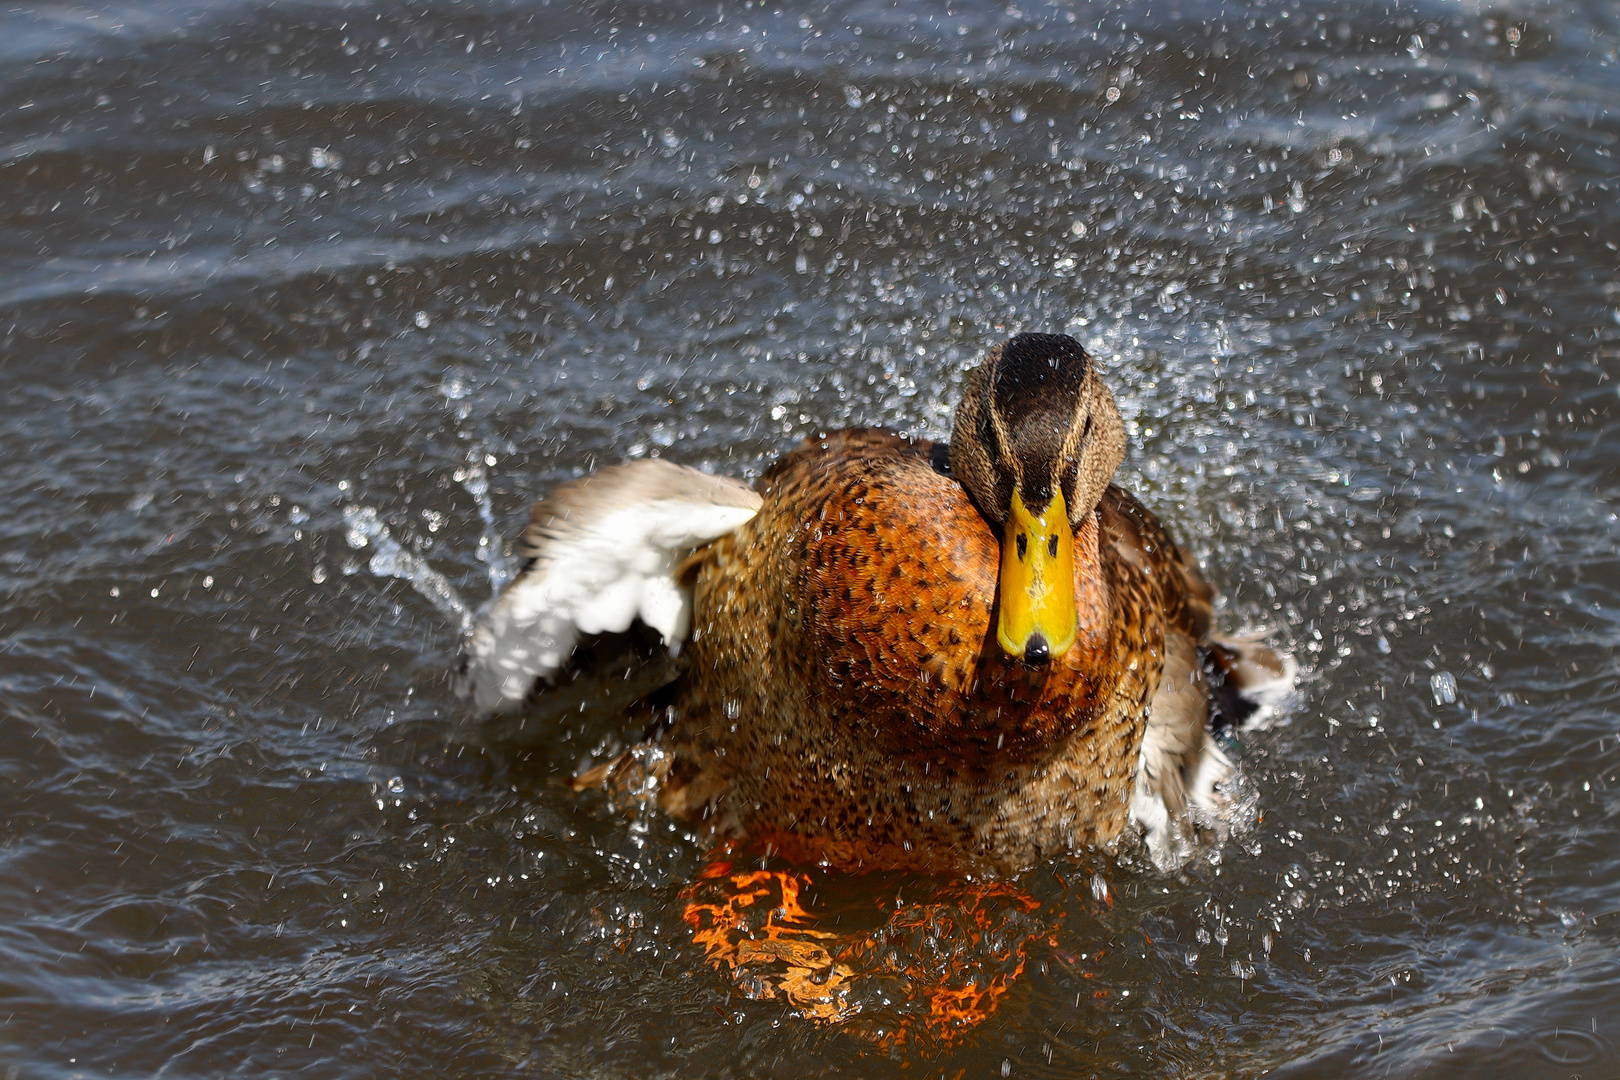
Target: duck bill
x: 1036, y: 589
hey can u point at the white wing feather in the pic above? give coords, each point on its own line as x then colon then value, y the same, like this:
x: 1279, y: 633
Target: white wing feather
x: 604, y: 552
x: 1184, y: 779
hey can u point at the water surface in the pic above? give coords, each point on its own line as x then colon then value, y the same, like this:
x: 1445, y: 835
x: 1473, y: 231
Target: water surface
x: 302, y: 304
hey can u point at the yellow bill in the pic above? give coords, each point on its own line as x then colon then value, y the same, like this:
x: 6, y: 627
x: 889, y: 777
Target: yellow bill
x: 1037, y: 582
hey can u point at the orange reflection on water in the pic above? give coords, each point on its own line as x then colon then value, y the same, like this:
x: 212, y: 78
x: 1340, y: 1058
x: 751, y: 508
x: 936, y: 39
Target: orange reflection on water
x: 929, y: 972
x: 754, y: 925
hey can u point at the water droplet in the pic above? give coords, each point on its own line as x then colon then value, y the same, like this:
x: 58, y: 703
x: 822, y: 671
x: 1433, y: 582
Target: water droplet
x: 318, y: 575
x: 422, y: 320
x: 1443, y: 685
x: 396, y: 785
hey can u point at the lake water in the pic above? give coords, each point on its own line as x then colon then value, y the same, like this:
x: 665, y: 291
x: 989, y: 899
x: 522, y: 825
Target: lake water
x: 302, y: 304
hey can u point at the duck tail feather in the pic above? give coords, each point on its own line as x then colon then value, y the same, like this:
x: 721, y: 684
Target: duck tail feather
x: 1251, y: 679
x: 602, y: 552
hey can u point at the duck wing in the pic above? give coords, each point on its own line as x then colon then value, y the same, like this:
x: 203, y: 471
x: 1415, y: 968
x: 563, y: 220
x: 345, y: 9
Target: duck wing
x: 1223, y: 681
x: 1210, y: 681
x: 601, y: 551
x: 1182, y: 766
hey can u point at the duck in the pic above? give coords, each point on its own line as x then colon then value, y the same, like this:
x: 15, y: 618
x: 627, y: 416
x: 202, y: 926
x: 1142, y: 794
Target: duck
x: 891, y: 653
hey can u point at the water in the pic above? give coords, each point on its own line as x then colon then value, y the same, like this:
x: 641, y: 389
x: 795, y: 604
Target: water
x: 282, y: 280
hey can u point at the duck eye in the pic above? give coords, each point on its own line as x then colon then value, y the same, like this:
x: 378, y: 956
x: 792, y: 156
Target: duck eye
x: 1051, y: 545
x: 1023, y: 544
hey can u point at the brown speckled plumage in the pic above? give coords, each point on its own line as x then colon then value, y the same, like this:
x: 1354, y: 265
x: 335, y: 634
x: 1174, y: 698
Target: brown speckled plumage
x: 847, y: 700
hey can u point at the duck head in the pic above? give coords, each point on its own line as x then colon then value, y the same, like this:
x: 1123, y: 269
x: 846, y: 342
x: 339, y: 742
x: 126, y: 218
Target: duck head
x: 1036, y: 440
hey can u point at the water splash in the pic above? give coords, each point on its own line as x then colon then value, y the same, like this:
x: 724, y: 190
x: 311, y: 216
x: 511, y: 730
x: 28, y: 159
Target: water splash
x: 391, y: 559
x: 475, y: 479
x: 457, y: 387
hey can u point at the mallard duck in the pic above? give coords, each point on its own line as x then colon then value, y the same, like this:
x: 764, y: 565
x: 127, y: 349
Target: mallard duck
x: 891, y: 653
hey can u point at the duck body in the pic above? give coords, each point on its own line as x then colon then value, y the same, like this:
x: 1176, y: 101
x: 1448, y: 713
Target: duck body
x: 897, y: 654
x: 851, y: 702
